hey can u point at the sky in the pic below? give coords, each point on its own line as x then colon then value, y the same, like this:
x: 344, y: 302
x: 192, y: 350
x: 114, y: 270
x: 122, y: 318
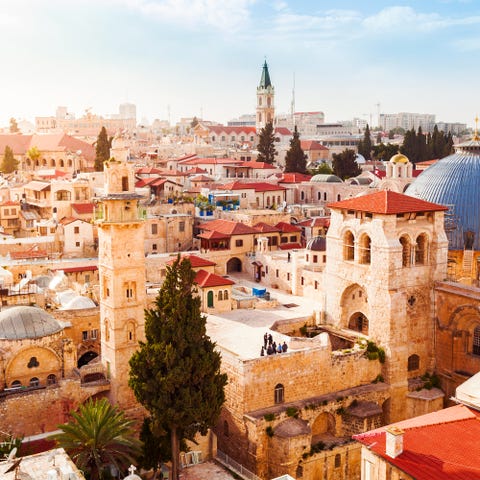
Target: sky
x: 180, y: 58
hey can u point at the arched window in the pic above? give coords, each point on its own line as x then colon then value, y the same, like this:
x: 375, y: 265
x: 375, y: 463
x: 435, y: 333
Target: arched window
x: 339, y: 197
x: 302, y: 195
x: 225, y: 294
x: 269, y: 101
x: 44, y: 162
x: 62, y: 162
x: 131, y: 337
x: 34, y: 382
x: 476, y: 341
x: 406, y: 251
x: 279, y: 393
x: 260, y: 101
x: 413, y: 362
x: 365, y: 247
x: 220, y: 295
x: 226, y: 429
x: 37, y: 163
x: 52, y: 162
x: 16, y: 384
x: 210, y: 299
x: 51, y: 379
x: 421, y: 250
x: 348, y: 246
x: 70, y: 162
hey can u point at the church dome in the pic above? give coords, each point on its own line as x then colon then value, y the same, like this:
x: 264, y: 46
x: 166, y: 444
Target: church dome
x: 317, y: 244
x: 21, y: 322
x: 399, y: 158
x: 453, y: 181
x: 326, y: 178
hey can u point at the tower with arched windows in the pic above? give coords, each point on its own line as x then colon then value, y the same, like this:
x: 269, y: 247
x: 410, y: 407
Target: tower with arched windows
x: 265, y: 98
x: 385, y: 252
x: 121, y: 264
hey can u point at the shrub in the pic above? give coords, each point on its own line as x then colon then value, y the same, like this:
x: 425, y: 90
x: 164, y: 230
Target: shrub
x: 381, y: 355
x: 378, y: 378
x: 269, y: 431
x: 340, y: 411
x: 269, y: 417
x: 292, y: 412
x: 303, y: 330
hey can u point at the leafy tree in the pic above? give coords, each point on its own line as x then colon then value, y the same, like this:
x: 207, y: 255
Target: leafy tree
x: 345, y: 165
x: 10, y: 163
x: 102, y: 150
x: 99, y: 435
x: 266, y: 144
x: 365, y: 145
x: 295, y: 159
x: 384, y: 152
x: 323, y: 168
x: 14, y: 126
x: 175, y: 374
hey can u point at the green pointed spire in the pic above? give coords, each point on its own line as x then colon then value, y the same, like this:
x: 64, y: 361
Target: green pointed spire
x: 265, y: 80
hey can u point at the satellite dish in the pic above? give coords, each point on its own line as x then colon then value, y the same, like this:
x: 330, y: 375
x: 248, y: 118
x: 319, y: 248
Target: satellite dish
x: 12, y: 454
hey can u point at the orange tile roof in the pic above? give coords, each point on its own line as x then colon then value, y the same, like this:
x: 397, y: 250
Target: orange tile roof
x: 257, y: 186
x: 196, y: 261
x: 265, y: 228
x: 287, y: 227
x: 28, y: 254
x: 290, y: 246
x: 441, y: 445
x: 206, y: 279
x: 294, y: 178
x: 210, y: 161
x: 387, y: 202
x: 258, y: 165
x: 83, y: 208
x: 283, y: 131
x: 312, y: 145
x: 227, y: 227
x: 238, y: 130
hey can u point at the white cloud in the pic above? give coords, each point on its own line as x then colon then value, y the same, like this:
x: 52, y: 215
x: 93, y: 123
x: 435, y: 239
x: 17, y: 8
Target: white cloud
x: 219, y: 14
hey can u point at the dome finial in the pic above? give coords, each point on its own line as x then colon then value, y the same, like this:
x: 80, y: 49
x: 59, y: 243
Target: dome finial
x: 475, y: 135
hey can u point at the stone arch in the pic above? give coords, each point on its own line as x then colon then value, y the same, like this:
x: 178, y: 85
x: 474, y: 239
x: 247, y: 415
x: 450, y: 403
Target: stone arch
x: 348, y: 246
x: 413, y: 363
x: 354, y: 300
x: 421, y: 249
x: 87, y: 357
x: 324, y: 423
x: 234, y: 265
x: 406, y: 244
x: 47, y: 362
x: 365, y: 249
x: 358, y: 322
x: 464, y: 317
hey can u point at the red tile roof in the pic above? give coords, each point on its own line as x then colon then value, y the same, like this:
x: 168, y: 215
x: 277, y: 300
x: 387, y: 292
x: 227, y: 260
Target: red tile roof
x: 68, y: 220
x: 28, y: 254
x: 213, y: 235
x: 8, y: 203
x: 316, y: 222
x: 218, y: 129
x: 441, y: 445
x: 265, y: 228
x: 257, y: 186
x: 206, y: 279
x: 194, y: 170
x: 312, y: 145
x: 83, y: 208
x: 294, y: 178
x: 290, y: 246
x: 283, y: 131
x: 147, y: 171
x: 227, y: 227
x: 285, y: 227
x: 258, y: 165
x: 210, y: 161
x: 196, y: 261
x: 86, y: 268
x: 387, y: 202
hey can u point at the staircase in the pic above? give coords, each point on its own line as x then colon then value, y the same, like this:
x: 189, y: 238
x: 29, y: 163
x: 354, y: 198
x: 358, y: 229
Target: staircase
x: 467, y: 265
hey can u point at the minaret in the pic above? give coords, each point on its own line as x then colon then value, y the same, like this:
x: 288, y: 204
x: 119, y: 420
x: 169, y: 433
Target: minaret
x: 265, y: 97
x: 121, y: 264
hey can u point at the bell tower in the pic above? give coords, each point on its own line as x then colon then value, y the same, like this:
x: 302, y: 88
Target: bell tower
x: 121, y: 264
x: 265, y: 98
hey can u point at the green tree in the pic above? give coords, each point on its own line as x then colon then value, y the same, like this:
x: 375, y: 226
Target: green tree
x: 409, y: 145
x: 295, y: 159
x: 422, y: 154
x: 323, y: 168
x: 33, y: 154
x: 266, y: 144
x: 344, y: 164
x: 175, y: 374
x: 365, y: 145
x: 99, y: 435
x: 14, y: 126
x: 384, y: 151
x: 102, y: 150
x: 10, y: 163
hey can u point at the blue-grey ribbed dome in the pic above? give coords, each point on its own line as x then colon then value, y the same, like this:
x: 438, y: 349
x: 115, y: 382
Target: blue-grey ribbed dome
x: 454, y: 181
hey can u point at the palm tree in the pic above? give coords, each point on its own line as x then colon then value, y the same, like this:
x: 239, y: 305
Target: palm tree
x: 99, y: 435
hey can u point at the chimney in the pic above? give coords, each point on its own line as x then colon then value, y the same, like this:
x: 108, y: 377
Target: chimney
x: 393, y: 441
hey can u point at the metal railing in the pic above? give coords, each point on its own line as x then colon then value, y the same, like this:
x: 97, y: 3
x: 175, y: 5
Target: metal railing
x: 240, y: 470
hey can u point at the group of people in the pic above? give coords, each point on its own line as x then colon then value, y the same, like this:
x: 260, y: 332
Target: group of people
x: 270, y: 347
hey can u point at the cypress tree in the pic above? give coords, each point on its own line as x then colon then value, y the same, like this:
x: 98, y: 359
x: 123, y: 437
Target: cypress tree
x: 344, y: 164
x: 175, y: 374
x: 10, y: 163
x: 409, y: 146
x: 365, y: 145
x: 295, y: 159
x: 421, y: 146
x: 266, y: 144
x: 102, y: 150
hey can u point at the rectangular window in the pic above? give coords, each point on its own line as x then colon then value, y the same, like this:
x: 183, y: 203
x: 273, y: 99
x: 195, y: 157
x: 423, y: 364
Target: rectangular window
x: 239, y: 243
x: 129, y: 292
x: 76, y: 230
x: 315, y: 258
x: 284, y: 240
x: 94, y: 334
x: 154, y: 246
x: 274, y: 241
x: 154, y: 228
x: 266, y: 269
x: 276, y: 273
x: 293, y: 239
x: 85, y: 335
x: 77, y: 244
x: 316, y: 285
x: 87, y: 278
x: 181, y: 227
x: 302, y: 281
x: 288, y: 277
